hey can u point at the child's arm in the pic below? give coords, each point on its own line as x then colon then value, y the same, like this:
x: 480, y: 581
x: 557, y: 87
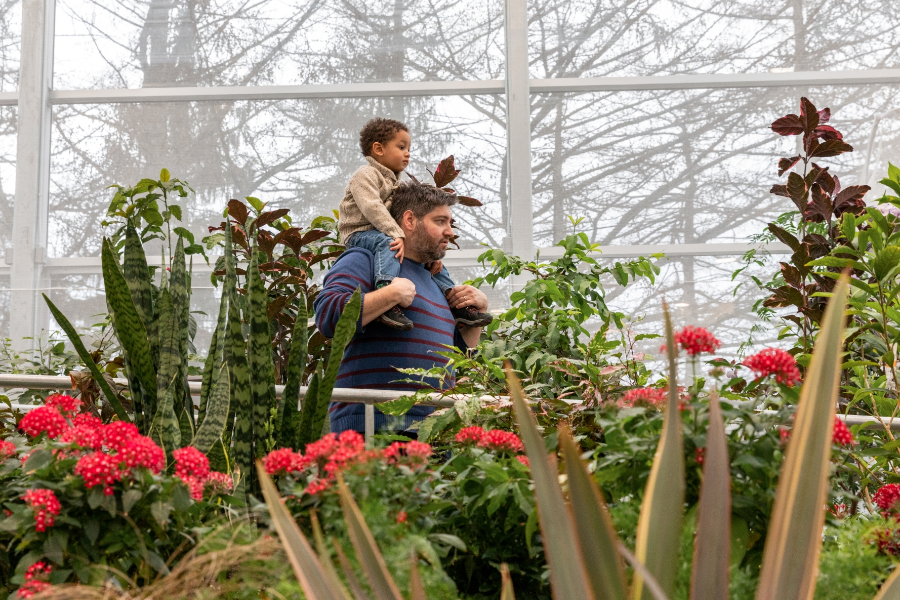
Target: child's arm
x: 435, y: 267
x: 364, y: 188
x: 399, y: 247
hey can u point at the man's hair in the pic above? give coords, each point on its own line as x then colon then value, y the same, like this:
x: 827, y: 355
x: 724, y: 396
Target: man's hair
x: 420, y: 199
x: 378, y: 130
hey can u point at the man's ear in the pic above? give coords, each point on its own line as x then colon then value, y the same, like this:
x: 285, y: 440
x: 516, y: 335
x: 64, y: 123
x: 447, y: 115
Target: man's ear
x: 408, y: 220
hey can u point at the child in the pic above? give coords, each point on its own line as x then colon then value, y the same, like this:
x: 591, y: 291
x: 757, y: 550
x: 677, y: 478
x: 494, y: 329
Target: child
x: 365, y: 220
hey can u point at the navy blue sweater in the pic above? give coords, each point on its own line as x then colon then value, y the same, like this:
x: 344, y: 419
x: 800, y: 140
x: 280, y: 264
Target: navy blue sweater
x: 377, y: 351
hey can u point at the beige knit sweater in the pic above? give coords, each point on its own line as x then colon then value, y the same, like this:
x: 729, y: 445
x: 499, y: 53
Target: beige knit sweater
x: 367, y: 200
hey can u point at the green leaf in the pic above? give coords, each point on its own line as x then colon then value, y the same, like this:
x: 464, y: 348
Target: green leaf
x: 241, y: 398
x: 597, y: 537
x: 568, y: 574
x: 153, y: 217
x: 886, y: 261
x: 185, y: 427
x: 38, y: 459
x: 129, y: 498
x: 296, y: 367
x: 255, y: 203
x: 343, y: 333
x: 164, y: 175
x: 397, y: 407
x: 262, y: 369
x: 307, y: 413
x: 794, y: 539
x: 214, y: 424
x: 712, y: 545
x: 87, y: 360
x: 659, y: 526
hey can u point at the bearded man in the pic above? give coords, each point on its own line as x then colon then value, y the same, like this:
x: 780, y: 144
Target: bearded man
x: 376, y: 352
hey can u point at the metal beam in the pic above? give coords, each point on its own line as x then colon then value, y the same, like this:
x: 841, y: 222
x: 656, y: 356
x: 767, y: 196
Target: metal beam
x: 9, y: 98
x: 32, y: 166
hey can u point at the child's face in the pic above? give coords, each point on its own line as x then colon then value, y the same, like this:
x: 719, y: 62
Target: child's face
x: 394, y: 154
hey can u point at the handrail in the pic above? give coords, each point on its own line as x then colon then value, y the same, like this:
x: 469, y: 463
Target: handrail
x: 350, y: 395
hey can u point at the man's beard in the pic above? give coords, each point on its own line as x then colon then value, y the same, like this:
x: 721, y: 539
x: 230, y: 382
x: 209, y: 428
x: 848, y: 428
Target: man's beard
x: 427, y: 248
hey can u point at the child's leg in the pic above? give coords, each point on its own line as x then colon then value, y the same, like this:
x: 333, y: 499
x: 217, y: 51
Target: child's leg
x: 443, y: 280
x: 386, y: 264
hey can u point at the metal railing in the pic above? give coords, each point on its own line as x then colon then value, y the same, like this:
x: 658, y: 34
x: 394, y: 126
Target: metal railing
x: 350, y: 395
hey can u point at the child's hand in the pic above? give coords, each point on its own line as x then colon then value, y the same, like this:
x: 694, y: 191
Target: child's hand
x: 397, y: 245
x: 436, y: 267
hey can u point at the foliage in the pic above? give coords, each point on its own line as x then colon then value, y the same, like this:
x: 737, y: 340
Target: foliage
x: 114, y: 513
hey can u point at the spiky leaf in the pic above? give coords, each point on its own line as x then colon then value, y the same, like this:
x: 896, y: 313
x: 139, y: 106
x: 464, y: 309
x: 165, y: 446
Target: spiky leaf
x: 295, y: 369
x: 259, y: 354
x: 216, y: 413
x: 307, y: 413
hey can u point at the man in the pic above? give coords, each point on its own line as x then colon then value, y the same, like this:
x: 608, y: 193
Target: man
x: 377, y: 351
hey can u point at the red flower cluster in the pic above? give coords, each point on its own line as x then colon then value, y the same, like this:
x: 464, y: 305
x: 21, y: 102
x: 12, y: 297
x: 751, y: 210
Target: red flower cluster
x: 35, y: 580
x: 524, y: 460
x: 98, y: 468
x: 887, y: 497
x: 44, y: 419
x: 646, y: 396
x: 7, y: 450
x: 192, y: 467
x: 45, y: 506
x: 841, y: 434
x: 695, y: 340
x: 470, y: 435
x: 416, y: 452
x: 774, y: 362
x: 67, y: 405
x: 887, y: 539
x: 220, y: 483
x: 501, y: 441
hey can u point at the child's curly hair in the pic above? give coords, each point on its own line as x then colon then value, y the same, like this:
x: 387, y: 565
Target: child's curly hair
x: 378, y: 130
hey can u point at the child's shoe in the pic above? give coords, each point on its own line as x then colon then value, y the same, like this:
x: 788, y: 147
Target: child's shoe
x: 470, y: 317
x: 395, y: 319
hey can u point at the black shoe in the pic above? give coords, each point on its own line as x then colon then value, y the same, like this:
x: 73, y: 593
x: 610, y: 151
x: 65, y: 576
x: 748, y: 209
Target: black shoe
x: 395, y: 319
x: 469, y: 317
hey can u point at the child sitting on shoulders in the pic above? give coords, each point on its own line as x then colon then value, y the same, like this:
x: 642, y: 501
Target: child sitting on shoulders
x: 366, y: 222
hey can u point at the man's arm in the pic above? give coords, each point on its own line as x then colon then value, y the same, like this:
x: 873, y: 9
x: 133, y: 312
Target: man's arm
x: 466, y: 295
x: 400, y: 291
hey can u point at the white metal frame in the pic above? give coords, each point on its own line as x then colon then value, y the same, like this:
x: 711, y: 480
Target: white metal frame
x: 29, y: 270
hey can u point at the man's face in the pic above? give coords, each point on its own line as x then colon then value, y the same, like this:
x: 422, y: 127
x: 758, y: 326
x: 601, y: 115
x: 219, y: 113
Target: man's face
x: 432, y: 234
x: 394, y: 154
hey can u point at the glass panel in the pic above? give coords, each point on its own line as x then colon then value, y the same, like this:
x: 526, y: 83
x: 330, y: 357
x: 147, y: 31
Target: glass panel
x: 691, y: 166
x: 294, y: 154
x: 10, y: 44
x: 586, y: 38
x: 144, y: 43
x: 7, y: 173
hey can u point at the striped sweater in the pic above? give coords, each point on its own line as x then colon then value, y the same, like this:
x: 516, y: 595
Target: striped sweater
x: 376, y: 351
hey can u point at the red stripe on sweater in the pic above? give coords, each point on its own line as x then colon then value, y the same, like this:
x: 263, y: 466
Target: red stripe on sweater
x: 404, y: 341
x: 444, y: 306
x: 367, y: 285
x: 430, y: 314
x: 428, y: 357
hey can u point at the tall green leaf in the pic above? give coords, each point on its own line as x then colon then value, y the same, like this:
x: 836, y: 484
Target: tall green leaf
x: 568, y: 574
x: 307, y: 414
x: 129, y: 327
x: 343, y: 333
x: 85, y: 357
x: 141, y: 420
x: 712, y: 545
x: 241, y: 397
x: 794, y: 540
x: 597, y: 537
x: 168, y: 344
x: 259, y: 354
x: 185, y: 427
x: 313, y: 579
x: 137, y: 276
x: 181, y: 306
x: 214, y: 424
x: 165, y: 430
x: 662, y: 511
x: 296, y: 367
x: 207, y: 382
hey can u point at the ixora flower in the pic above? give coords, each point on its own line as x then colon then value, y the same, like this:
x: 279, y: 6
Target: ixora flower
x: 695, y: 340
x: 415, y: 452
x: 501, y: 441
x: 35, y: 580
x: 470, y: 435
x: 842, y: 435
x: 652, y: 396
x: 887, y: 497
x: 98, y: 468
x: 45, y: 506
x: 44, y: 419
x: 524, y: 460
x: 66, y: 405
x: 774, y: 362
x: 190, y: 462
x: 7, y: 450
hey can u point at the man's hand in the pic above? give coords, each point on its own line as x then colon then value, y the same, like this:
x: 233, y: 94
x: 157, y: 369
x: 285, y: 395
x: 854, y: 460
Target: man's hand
x: 398, y: 247
x: 403, y: 291
x: 466, y: 295
x: 435, y: 267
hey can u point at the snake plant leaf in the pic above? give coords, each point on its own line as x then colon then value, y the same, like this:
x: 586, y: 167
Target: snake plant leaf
x: 164, y: 430
x: 307, y: 412
x: 85, y: 357
x: 296, y: 367
x: 179, y: 288
x: 791, y: 555
x: 216, y: 414
x: 568, y: 574
x: 890, y: 589
x: 712, y: 545
x: 343, y: 333
x: 380, y: 581
x: 259, y: 354
x: 313, y: 579
x: 662, y: 511
x: 207, y: 381
x: 185, y: 427
x: 218, y: 457
x: 597, y: 538
x: 168, y: 343
x: 137, y: 276
x: 141, y: 421
x: 241, y: 397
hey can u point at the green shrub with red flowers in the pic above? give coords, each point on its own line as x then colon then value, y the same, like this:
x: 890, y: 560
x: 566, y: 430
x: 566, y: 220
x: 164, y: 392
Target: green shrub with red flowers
x: 92, y: 503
